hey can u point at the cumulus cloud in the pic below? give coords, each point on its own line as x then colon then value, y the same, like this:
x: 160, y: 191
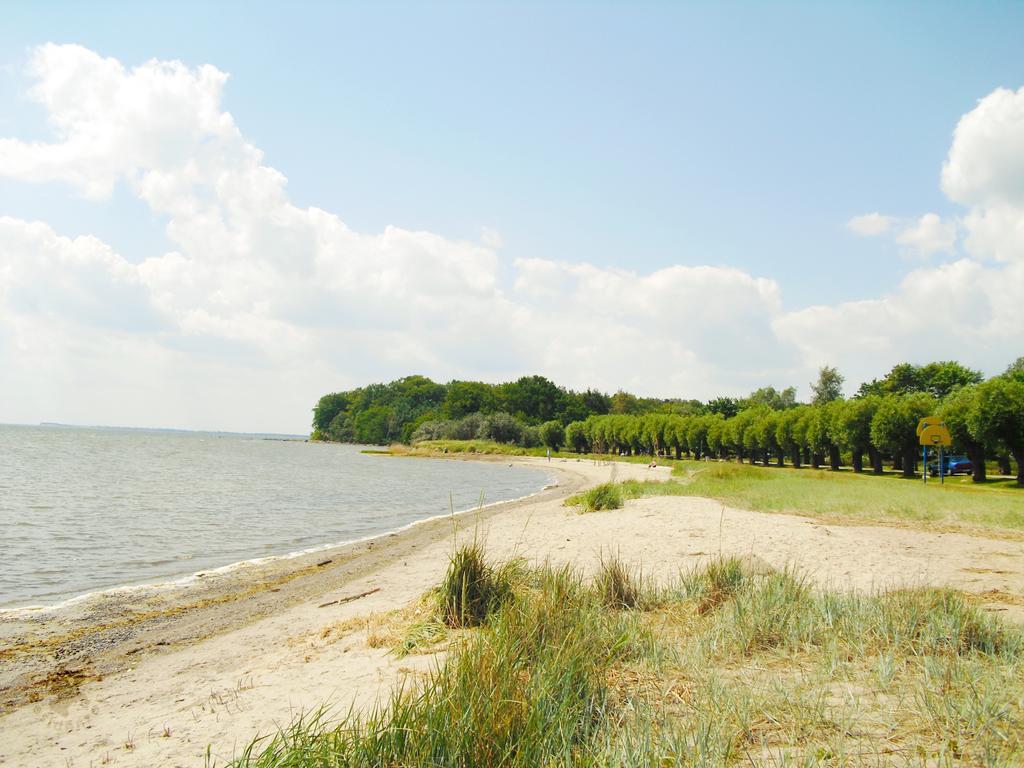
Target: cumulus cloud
x: 871, y: 224
x: 920, y: 237
x: 985, y: 165
x: 929, y: 234
x: 262, y: 306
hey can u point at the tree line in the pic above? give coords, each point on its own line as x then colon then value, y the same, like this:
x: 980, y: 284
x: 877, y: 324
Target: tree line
x: 877, y: 425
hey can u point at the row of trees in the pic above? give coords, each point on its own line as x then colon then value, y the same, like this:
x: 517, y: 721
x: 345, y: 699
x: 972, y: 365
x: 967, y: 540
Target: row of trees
x: 385, y: 413
x: 986, y: 418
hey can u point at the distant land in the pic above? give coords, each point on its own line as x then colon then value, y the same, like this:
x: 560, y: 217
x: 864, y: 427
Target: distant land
x: 212, y: 432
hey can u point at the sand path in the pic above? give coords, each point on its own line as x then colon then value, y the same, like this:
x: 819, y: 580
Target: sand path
x: 168, y: 690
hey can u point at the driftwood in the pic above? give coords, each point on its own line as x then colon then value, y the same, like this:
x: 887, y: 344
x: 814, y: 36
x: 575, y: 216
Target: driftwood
x: 350, y: 598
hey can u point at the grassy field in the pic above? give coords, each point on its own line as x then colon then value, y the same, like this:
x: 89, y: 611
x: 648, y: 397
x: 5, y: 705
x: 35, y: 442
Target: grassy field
x: 843, y: 495
x: 729, y: 665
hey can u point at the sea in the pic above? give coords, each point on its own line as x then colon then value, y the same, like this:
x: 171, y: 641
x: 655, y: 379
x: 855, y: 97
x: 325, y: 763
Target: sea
x: 88, y: 509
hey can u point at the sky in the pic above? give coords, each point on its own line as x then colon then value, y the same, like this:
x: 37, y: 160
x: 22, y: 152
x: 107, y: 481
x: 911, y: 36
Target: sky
x: 211, y: 214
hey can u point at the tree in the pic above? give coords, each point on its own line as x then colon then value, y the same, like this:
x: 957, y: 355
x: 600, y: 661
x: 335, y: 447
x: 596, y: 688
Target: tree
x: 596, y: 402
x: 465, y: 397
x: 623, y: 402
x: 771, y: 397
x: 373, y: 426
x: 787, y: 434
x: 851, y: 429
x: 326, y: 409
x: 552, y: 434
x: 828, y: 387
x: 894, y: 425
x: 998, y: 417
x: 944, y: 377
x: 534, y: 399
x: 727, y: 406
x: 576, y: 436
x: 501, y: 428
x: 957, y: 412
x: 1015, y: 370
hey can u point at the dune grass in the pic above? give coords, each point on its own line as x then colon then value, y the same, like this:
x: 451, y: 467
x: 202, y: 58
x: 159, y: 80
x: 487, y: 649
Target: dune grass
x: 600, y: 497
x: 723, y: 667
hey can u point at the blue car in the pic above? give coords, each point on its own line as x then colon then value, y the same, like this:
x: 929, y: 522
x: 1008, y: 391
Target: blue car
x: 953, y: 465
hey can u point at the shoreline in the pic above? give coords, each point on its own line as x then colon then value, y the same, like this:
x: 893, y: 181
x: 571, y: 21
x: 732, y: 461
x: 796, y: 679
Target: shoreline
x: 90, y: 634
x: 175, y: 582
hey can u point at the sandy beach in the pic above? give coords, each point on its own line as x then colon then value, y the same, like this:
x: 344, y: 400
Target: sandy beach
x: 156, y: 676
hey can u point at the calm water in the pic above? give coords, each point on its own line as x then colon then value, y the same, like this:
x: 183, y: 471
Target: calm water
x: 88, y: 509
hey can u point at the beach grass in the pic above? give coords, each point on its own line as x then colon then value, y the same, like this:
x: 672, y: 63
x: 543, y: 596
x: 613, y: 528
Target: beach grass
x: 724, y: 666
x: 600, y: 497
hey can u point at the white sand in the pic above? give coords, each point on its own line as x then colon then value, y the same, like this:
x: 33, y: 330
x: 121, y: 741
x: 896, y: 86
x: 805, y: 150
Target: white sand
x: 223, y: 690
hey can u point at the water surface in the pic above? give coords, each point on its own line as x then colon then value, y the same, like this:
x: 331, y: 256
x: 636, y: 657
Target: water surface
x: 89, y: 509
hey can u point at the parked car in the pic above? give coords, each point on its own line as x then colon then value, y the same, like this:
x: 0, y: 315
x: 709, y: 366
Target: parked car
x: 953, y: 465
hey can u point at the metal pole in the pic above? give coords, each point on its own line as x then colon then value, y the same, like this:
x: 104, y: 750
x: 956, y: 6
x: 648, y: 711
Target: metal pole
x: 924, y: 463
x: 942, y: 468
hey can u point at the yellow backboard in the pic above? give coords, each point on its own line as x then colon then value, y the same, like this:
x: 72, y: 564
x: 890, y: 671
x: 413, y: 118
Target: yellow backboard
x: 934, y: 433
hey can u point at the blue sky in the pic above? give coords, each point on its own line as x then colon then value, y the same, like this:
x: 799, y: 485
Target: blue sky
x: 623, y: 136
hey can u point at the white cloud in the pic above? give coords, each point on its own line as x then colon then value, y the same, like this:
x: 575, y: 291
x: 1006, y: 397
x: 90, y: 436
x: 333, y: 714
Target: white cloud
x: 263, y: 306
x: 985, y: 166
x: 920, y: 237
x: 871, y: 224
x: 929, y: 234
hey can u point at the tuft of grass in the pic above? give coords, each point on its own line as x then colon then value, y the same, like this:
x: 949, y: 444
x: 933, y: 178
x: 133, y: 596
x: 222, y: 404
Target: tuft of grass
x: 715, y: 583
x: 617, y: 584
x: 600, y: 497
x: 472, y: 589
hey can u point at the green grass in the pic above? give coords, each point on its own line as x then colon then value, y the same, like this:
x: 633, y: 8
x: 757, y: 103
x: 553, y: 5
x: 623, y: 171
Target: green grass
x: 842, y: 495
x: 724, y: 666
x: 472, y: 588
x: 599, y: 498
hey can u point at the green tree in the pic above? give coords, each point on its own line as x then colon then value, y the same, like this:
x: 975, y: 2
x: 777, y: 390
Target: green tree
x: 373, y: 426
x: 941, y: 378
x: 576, y: 436
x: 773, y: 398
x: 326, y: 409
x: 727, y: 406
x: 828, y: 387
x: 894, y: 425
x: 998, y: 417
x: 501, y: 428
x: 624, y: 403
x: 552, y: 434
x: 1015, y: 370
x: 787, y: 434
x: 957, y: 411
x: 465, y: 397
x: 534, y: 399
x: 597, y: 403
x: 851, y: 429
